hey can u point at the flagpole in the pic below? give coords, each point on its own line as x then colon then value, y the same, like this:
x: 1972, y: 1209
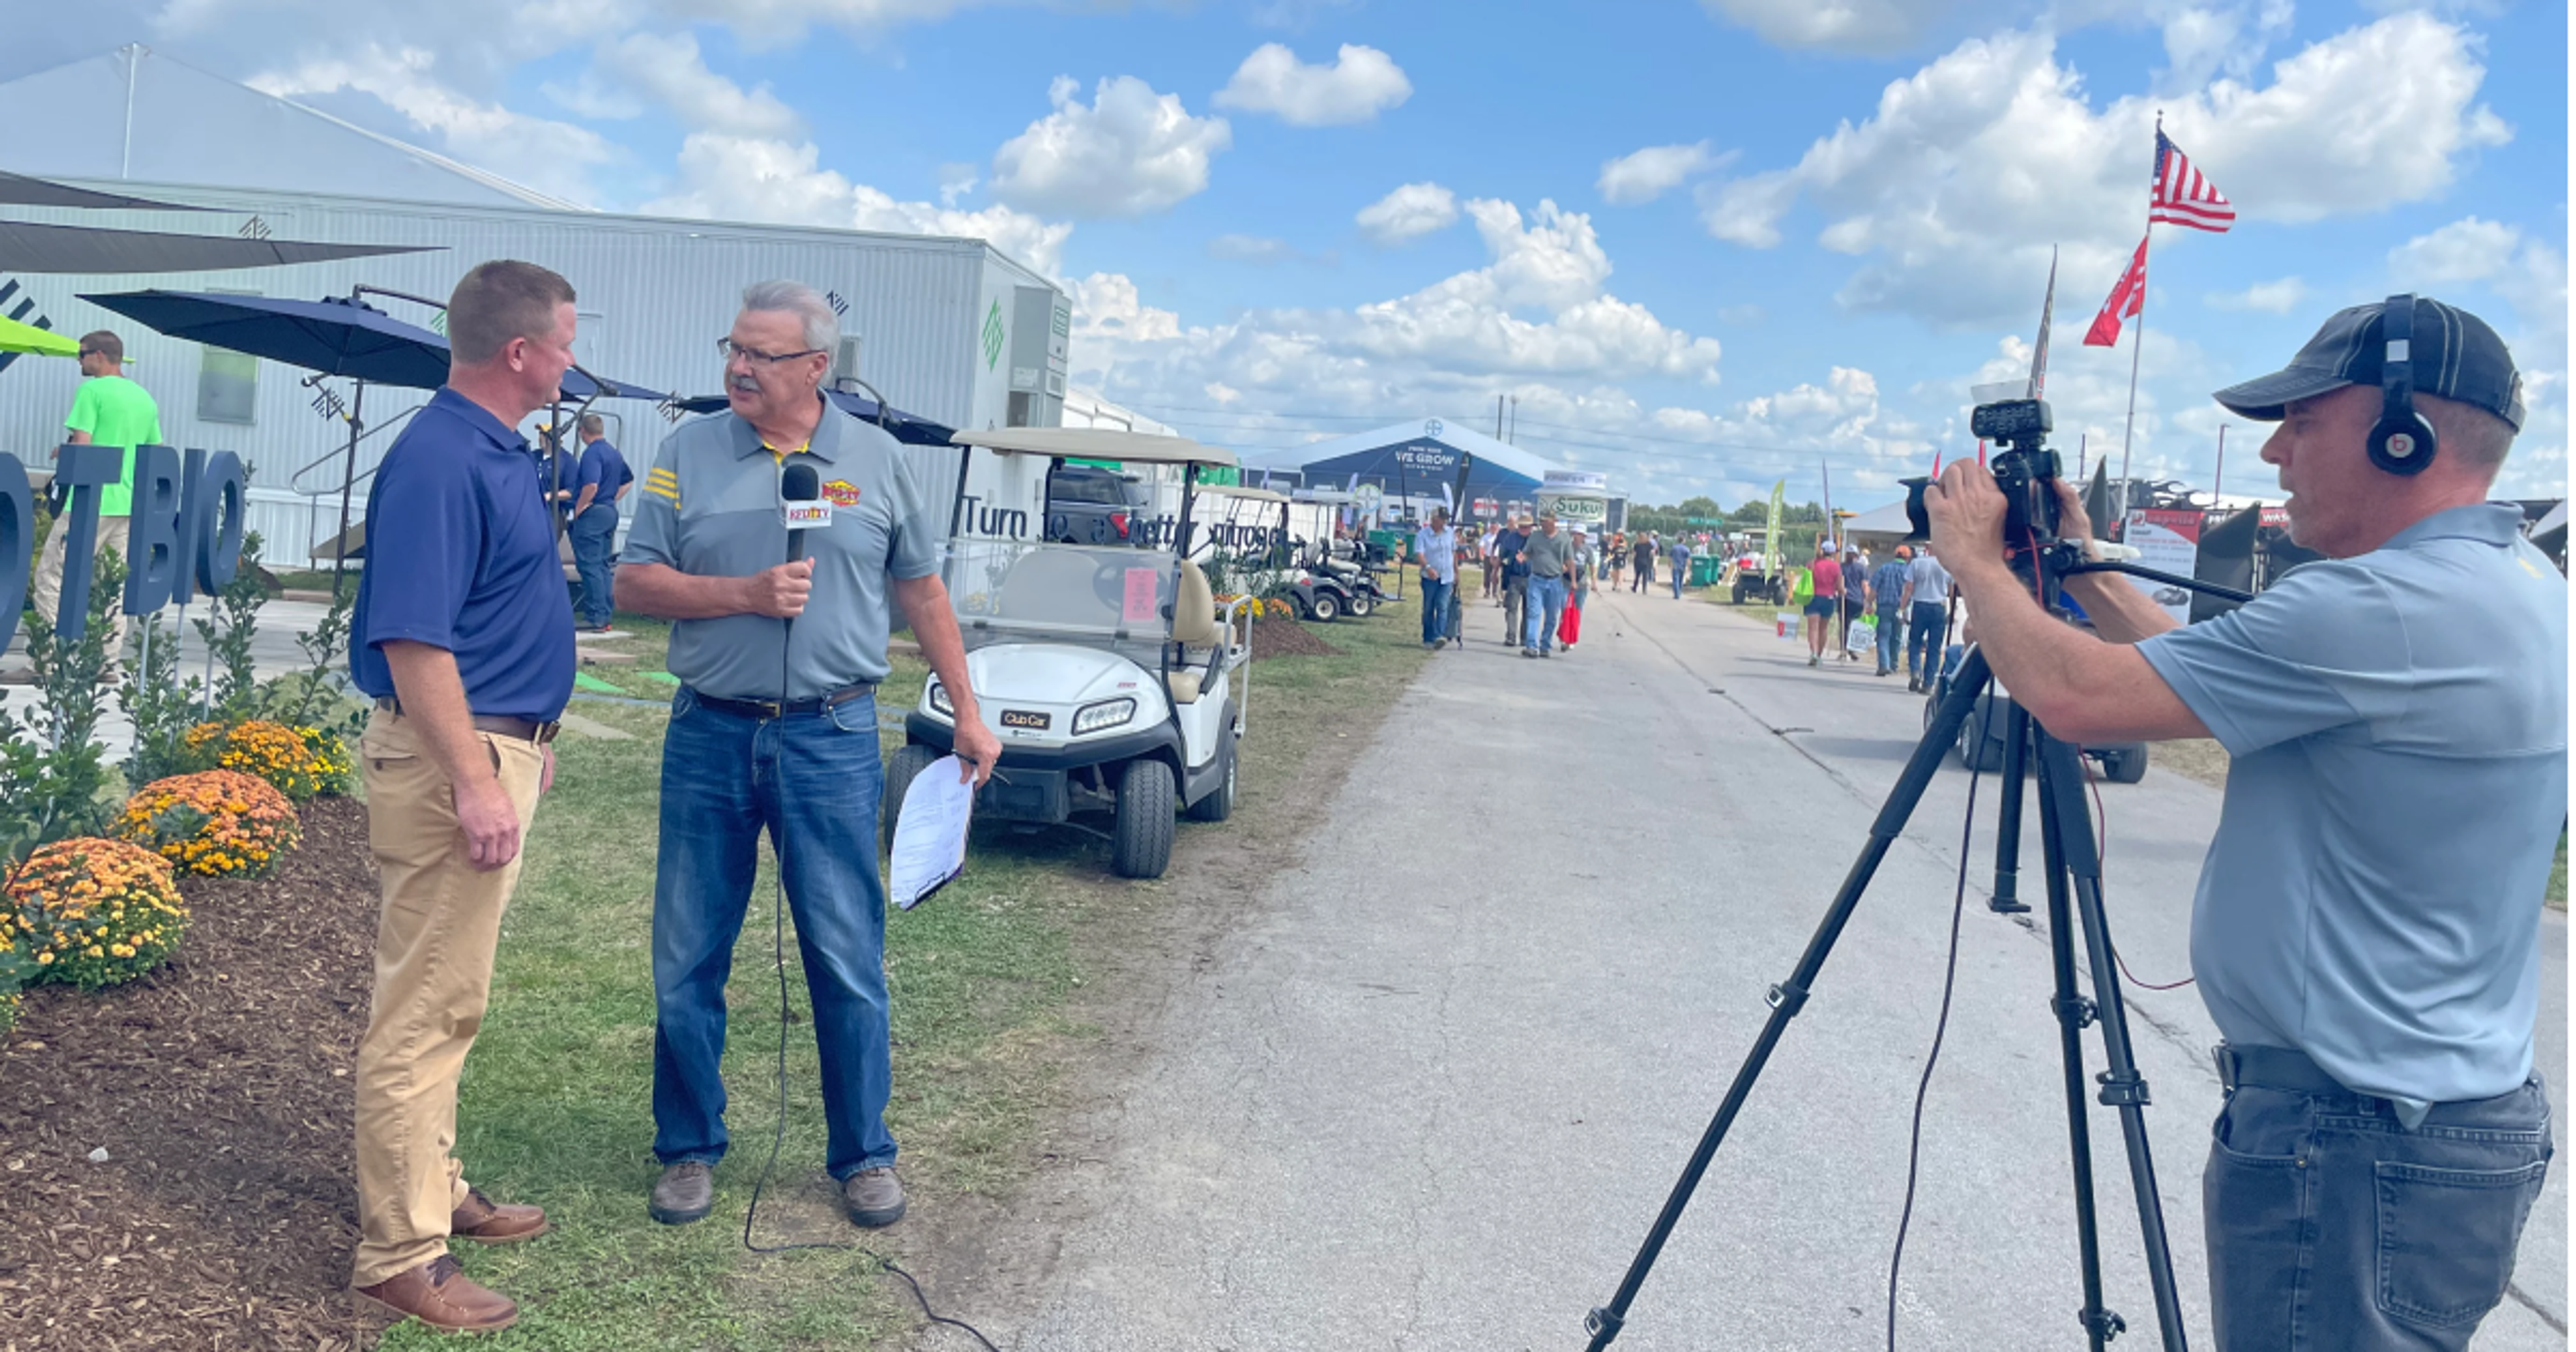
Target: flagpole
x: 2129, y: 428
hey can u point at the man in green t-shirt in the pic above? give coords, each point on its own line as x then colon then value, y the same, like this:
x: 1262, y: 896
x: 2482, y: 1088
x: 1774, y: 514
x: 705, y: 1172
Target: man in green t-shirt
x: 110, y: 410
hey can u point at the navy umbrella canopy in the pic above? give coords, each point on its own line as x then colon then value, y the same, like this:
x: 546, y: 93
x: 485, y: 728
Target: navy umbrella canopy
x: 336, y: 337
x: 909, y: 428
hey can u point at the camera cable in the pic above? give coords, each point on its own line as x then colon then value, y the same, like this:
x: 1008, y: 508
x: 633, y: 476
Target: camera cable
x: 1940, y: 1029
x: 786, y: 1016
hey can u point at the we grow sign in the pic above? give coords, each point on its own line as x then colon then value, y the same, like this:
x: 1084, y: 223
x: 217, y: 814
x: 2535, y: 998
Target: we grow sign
x: 185, y: 536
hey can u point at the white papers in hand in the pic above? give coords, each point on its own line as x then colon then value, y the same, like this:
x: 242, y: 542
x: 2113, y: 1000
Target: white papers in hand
x: 930, y: 835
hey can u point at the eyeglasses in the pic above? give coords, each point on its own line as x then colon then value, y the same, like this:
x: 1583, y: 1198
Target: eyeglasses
x: 731, y: 349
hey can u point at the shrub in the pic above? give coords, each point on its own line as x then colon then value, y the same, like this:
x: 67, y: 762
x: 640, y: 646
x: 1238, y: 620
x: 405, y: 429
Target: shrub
x: 261, y: 749
x: 335, y: 771
x: 218, y: 824
x: 95, y: 912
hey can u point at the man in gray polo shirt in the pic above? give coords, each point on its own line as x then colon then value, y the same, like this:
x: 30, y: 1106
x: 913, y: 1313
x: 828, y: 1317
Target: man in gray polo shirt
x: 1546, y: 555
x: 775, y: 727
x: 2366, y: 931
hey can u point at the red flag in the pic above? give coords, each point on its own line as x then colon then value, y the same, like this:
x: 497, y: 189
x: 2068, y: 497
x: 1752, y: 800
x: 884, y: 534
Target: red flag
x: 2127, y: 299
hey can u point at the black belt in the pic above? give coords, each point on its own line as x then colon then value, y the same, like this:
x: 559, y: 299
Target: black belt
x: 499, y: 725
x: 771, y: 708
x: 2273, y: 1068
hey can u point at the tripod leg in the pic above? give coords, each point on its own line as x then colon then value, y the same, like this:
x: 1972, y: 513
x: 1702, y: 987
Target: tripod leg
x: 2005, y: 899
x: 1788, y: 997
x: 2073, y: 1013
x: 2061, y: 791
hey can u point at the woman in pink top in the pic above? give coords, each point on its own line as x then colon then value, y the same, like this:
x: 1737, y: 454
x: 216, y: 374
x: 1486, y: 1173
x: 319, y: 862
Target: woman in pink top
x: 1822, y: 607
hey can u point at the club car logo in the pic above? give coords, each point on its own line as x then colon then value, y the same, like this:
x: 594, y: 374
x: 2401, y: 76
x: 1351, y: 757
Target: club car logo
x: 1023, y: 718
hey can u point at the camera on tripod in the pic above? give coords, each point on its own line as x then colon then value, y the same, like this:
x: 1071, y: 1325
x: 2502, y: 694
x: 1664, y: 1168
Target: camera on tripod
x: 2024, y: 468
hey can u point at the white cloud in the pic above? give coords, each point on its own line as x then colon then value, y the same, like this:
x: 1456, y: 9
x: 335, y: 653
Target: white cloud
x: 670, y: 71
x: 1361, y: 83
x: 1409, y: 212
x: 2466, y: 250
x: 1954, y: 190
x: 530, y: 149
x: 1644, y: 175
x: 747, y: 178
x: 1861, y: 27
x: 1129, y: 153
x: 2271, y: 298
x: 1537, y: 318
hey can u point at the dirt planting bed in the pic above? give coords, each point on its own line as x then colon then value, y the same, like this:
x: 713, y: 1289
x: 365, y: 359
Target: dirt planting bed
x: 224, y: 1213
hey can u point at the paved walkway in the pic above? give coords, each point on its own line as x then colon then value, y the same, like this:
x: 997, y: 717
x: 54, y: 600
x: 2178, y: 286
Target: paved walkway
x: 1432, y: 1092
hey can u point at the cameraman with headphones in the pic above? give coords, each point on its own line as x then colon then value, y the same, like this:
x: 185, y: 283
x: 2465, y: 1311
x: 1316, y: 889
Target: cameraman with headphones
x: 2366, y: 930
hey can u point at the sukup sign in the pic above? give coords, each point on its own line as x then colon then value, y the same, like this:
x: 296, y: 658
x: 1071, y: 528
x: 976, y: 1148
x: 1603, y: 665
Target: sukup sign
x: 185, y: 536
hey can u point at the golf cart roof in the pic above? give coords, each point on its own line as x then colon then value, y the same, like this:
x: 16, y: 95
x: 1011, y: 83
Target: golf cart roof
x: 1095, y: 443
x: 1239, y: 491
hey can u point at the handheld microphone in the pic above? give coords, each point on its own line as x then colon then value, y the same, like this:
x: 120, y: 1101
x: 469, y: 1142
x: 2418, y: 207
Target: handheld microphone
x: 801, y: 506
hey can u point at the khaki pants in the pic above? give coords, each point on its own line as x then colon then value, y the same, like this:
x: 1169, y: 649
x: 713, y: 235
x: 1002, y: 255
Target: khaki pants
x: 434, y: 947
x: 47, y: 589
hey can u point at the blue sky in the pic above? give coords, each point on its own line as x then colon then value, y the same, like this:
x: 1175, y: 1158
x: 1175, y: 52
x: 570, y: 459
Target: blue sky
x: 1857, y: 225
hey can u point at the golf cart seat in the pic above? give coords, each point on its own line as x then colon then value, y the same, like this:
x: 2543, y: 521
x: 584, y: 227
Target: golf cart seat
x: 1193, y: 626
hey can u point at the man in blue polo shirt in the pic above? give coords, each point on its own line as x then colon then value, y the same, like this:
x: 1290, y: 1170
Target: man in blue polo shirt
x: 602, y: 481
x: 463, y: 637
x: 774, y: 728
x: 2366, y: 931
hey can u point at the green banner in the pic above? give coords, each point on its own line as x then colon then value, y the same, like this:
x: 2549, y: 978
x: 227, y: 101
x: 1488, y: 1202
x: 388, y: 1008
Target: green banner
x: 1771, y: 553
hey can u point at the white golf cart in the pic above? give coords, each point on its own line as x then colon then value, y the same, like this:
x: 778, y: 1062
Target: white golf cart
x: 1109, y: 676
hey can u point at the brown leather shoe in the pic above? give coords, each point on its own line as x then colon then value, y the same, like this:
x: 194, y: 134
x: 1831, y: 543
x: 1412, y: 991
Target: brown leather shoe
x: 873, y: 1197
x: 488, y: 1222
x: 440, y: 1295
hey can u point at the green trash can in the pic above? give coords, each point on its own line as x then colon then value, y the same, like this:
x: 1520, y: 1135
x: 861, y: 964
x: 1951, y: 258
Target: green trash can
x: 1705, y: 569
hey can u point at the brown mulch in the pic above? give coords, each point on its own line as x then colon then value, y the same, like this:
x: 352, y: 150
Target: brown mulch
x: 226, y: 1211
x: 1288, y: 638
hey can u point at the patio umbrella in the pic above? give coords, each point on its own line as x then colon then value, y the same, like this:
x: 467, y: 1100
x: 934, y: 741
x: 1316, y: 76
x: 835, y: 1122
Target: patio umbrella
x: 16, y: 337
x: 335, y: 337
x: 909, y: 428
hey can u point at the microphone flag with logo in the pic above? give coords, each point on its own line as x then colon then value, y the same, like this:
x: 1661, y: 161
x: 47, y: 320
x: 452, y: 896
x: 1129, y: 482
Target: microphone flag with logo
x: 801, y: 506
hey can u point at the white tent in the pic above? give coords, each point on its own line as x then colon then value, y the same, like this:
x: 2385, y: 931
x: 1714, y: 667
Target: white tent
x: 1879, y: 526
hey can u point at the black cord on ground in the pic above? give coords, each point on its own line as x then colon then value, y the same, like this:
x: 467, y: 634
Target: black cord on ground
x: 1940, y: 1029
x: 786, y: 1012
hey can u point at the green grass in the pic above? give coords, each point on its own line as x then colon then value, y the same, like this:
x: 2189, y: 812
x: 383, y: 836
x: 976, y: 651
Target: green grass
x: 556, y: 1099
x: 2558, y: 874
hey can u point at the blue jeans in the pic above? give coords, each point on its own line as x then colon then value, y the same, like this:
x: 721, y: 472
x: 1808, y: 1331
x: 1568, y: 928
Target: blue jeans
x: 1923, y: 640
x: 2333, y: 1227
x: 1435, y: 608
x: 1678, y: 570
x: 594, y: 537
x: 1889, y: 620
x: 1541, y: 613
x: 725, y: 778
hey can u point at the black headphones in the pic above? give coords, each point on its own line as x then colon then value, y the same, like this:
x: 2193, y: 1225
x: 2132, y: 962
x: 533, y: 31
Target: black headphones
x: 2402, y: 442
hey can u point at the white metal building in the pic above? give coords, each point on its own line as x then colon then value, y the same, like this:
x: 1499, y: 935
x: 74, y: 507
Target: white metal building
x: 950, y: 329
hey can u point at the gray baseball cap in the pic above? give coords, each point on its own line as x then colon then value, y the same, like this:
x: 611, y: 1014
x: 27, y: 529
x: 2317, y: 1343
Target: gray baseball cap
x: 2455, y: 355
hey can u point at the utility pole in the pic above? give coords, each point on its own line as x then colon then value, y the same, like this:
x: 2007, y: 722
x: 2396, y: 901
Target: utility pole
x: 1511, y: 436
x: 2218, y: 481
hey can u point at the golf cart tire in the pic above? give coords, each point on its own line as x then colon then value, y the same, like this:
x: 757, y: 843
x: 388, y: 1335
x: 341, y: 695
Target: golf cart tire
x: 1141, y: 844
x: 1988, y: 756
x: 1325, y: 608
x: 2125, y: 767
x: 1218, y: 803
x: 1741, y: 591
x: 1780, y: 592
x: 1361, y: 605
x: 905, y: 766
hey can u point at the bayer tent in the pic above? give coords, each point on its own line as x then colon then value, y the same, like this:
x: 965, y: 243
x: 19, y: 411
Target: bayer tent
x: 1413, y: 459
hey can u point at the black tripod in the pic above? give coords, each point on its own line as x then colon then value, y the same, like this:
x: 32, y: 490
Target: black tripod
x: 2074, y: 887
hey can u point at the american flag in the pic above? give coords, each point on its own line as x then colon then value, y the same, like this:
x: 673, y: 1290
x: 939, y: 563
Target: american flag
x: 2182, y: 196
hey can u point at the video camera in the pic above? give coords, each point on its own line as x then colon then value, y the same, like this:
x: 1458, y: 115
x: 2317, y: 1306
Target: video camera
x: 2024, y: 468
